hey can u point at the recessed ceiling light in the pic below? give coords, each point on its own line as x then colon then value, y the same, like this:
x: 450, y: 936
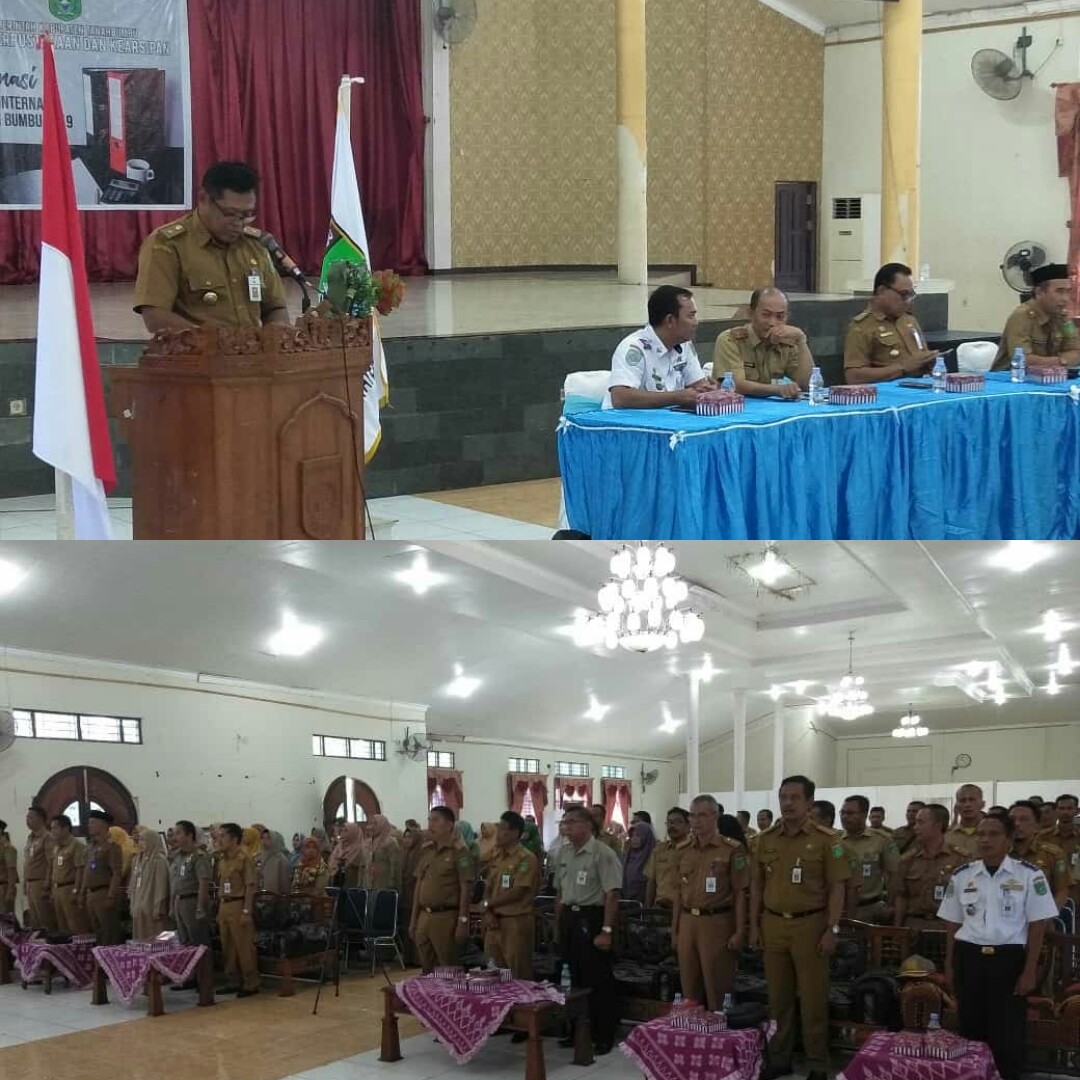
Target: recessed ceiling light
x: 1052, y: 687
x: 295, y: 638
x: 1053, y: 626
x: 462, y: 685
x: 1020, y: 555
x: 771, y: 568
x: 1000, y: 696
x: 775, y: 692
x: 706, y: 672
x: 420, y: 577
x: 800, y: 686
x: 596, y: 711
x: 11, y: 577
x: 802, y: 631
x: 670, y: 724
x: 1065, y: 664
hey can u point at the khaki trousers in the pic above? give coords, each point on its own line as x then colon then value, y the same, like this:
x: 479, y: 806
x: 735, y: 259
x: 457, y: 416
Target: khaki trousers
x: 146, y: 927
x: 190, y: 929
x: 104, y: 914
x: 706, y: 965
x: 238, y: 946
x: 794, y: 971
x: 42, y: 915
x: 70, y: 918
x: 436, y: 942
x: 511, y: 944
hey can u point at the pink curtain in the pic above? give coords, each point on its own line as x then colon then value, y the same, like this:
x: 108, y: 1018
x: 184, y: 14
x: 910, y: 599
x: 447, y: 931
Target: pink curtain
x: 448, y: 781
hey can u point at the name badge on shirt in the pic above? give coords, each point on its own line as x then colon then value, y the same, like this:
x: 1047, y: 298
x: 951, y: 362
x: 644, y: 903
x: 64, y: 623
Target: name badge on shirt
x: 505, y: 881
x: 867, y: 869
x: 1008, y: 904
x: 583, y: 877
x: 796, y: 875
x: 710, y: 884
x: 939, y: 892
x: 226, y: 888
x: 254, y: 287
x: 59, y: 860
x: 183, y: 870
x: 93, y: 864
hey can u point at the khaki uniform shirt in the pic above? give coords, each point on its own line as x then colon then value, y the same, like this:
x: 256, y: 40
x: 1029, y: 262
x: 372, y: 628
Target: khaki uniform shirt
x: 798, y: 871
x: 186, y: 870
x: 874, y: 341
x: 663, y: 868
x: 1050, y: 859
x: 924, y: 878
x: 9, y: 865
x: 184, y: 270
x: 1069, y: 844
x: 509, y: 870
x: 103, y: 859
x: 903, y: 838
x: 711, y: 873
x: 612, y: 842
x: 441, y: 874
x: 235, y: 872
x: 36, y: 856
x: 1038, y: 334
x: 586, y: 873
x: 877, y: 860
x: 746, y: 356
x: 383, y: 870
x: 66, y: 861
x: 962, y: 840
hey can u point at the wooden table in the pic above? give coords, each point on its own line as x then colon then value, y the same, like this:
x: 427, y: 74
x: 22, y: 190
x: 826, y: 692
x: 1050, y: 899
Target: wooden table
x: 155, y: 1002
x: 527, y: 1018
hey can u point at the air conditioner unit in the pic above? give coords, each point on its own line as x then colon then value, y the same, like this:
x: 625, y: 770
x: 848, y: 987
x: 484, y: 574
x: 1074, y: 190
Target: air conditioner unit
x: 852, y: 241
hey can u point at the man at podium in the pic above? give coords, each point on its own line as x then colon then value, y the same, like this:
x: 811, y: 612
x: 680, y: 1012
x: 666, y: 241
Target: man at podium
x: 203, y: 268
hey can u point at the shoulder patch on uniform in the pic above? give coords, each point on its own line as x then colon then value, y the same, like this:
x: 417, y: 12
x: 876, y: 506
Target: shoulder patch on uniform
x: 634, y: 356
x: 175, y: 229
x: 1040, y: 885
x: 740, y: 333
x: 739, y: 861
x: 862, y: 315
x: 464, y: 861
x: 838, y: 851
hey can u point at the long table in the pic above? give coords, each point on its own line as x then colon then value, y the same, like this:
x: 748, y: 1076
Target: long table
x: 1001, y: 463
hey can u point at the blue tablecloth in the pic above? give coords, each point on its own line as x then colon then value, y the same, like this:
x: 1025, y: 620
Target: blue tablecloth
x: 1003, y: 463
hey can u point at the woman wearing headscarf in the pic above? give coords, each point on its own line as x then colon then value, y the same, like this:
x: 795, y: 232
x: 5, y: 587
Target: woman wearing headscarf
x: 252, y: 844
x: 127, y: 849
x: 294, y: 856
x: 488, y: 830
x: 348, y: 860
x: 274, y: 875
x: 325, y: 847
x: 310, y: 876
x: 385, y: 856
x: 467, y: 835
x: 411, y: 849
x: 639, y: 847
x: 149, y: 888
x: 531, y: 840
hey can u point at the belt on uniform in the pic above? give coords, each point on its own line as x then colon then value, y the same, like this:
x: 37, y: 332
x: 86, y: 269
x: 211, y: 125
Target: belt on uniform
x: 439, y: 910
x: 231, y: 899
x: 866, y: 903
x: 96, y: 888
x: 32, y: 880
x: 992, y: 950
x: 698, y: 912
x: 586, y: 907
x: 187, y: 896
x: 794, y: 914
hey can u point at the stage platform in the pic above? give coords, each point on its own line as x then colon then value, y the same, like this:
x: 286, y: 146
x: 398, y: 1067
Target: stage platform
x: 476, y: 363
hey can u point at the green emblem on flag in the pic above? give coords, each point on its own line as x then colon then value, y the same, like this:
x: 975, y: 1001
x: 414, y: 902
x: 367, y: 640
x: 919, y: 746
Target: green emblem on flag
x: 1040, y: 886
x: 66, y: 9
x: 838, y: 851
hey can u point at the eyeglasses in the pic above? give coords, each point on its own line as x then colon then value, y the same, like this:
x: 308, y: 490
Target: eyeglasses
x: 905, y: 296
x: 240, y: 216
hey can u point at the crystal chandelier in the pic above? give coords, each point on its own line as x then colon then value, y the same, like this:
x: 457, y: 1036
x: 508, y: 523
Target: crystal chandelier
x: 639, y: 604
x: 849, y: 701
x: 911, y: 726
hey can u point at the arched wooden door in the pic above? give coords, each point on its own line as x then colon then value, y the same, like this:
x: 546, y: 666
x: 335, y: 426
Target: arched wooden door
x: 350, y: 799
x: 78, y: 790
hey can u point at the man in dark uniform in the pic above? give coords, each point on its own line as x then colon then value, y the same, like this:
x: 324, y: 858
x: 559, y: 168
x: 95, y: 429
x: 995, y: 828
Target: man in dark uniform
x: 36, y: 858
x: 9, y: 871
x: 1041, y: 326
x: 512, y: 878
x: 102, y: 879
x: 236, y: 880
x: 1032, y: 848
x: 206, y: 267
x: 905, y: 835
x: 886, y: 341
x: 925, y: 870
x: 1065, y: 833
x: 798, y: 879
x: 445, y: 876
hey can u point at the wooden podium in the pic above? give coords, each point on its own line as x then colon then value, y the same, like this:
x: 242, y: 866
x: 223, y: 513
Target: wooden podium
x: 248, y: 434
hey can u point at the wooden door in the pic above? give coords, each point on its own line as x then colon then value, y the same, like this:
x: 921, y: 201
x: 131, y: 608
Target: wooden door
x: 362, y: 805
x: 78, y: 790
x: 796, y: 236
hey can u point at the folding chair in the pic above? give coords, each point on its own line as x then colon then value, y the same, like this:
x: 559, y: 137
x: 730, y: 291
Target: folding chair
x: 382, y: 926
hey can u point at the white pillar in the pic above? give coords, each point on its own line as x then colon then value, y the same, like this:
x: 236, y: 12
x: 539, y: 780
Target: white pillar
x: 777, y: 746
x: 738, y: 718
x: 633, y: 217
x: 693, y: 738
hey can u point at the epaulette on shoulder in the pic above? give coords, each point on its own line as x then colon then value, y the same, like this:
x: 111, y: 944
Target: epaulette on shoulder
x: 963, y: 866
x: 739, y: 333
x: 731, y: 843
x: 172, y: 231
x: 862, y: 315
x: 774, y: 827
x: 1031, y: 866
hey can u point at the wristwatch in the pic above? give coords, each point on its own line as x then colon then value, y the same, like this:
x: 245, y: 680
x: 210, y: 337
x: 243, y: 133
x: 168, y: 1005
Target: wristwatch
x: 245, y: 912
x: 605, y: 929
x: 463, y: 919
x: 835, y: 929
x: 485, y: 905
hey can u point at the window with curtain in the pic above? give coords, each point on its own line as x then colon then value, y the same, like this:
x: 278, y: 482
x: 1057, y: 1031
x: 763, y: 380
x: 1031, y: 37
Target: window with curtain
x: 445, y: 789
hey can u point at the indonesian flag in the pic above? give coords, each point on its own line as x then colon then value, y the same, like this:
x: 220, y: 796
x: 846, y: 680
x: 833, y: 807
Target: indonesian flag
x: 349, y: 242
x: 71, y: 431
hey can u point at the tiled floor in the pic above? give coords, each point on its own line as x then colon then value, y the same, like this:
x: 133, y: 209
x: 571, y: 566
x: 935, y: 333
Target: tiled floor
x: 402, y: 517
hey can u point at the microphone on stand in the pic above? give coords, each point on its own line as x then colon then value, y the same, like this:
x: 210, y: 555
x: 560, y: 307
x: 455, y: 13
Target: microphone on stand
x: 281, y: 259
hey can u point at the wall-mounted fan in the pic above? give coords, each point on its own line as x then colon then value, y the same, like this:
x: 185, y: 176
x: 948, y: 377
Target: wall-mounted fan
x: 413, y: 747
x: 7, y: 729
x: 1001, y: 76
x: 1018, y: 263
x: 454, y: 20
x: 963, y: 761
x: 649, y: 777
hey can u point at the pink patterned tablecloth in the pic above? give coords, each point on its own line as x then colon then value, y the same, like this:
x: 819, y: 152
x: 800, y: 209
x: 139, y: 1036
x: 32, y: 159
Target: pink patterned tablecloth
x: 663, y: 1052
x: 127, y: 966
x: 464, y: 1020
x: 11, y: 936
x: 73, y: 960
x: 875, y: 1061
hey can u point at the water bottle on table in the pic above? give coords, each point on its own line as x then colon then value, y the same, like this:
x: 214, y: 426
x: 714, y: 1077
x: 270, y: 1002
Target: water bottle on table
x: 1019, y: 365
x: 728, y: 382
x: 934, y: 1023
x: 564, y: 980
x: 939, y: 375
x: 817, y: 387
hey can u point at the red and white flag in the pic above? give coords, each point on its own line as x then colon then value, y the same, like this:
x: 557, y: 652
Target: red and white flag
x: 71, y: 431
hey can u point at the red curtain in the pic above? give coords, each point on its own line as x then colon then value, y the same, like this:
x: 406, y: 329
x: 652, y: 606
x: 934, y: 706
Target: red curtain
x: 264, y: 78
x: 616, y: 792
x: 519, y: 783
x: 538, y: 790
x: 574, y: 790
x: 449, y: 780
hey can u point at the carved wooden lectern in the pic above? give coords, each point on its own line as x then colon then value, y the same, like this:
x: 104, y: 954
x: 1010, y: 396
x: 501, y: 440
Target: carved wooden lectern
x: 248, y: 434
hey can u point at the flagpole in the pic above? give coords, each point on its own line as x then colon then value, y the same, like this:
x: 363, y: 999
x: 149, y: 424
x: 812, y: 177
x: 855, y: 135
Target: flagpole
x: 65, y: 506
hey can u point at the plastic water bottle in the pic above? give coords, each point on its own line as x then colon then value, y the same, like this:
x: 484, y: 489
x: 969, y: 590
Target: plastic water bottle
x: 1019, y: 365
x: 816, y: 387
x: 934, y: 1024
x: 564, y: 979
x: 676, y: 1001
x: 939, y: 376
x: 729, y: 1003
x: 728, y: 382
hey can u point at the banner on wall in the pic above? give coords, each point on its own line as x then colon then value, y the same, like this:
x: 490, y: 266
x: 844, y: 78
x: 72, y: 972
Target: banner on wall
x: 125, y: 88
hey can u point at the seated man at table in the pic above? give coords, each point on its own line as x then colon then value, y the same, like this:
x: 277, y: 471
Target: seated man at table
x: 1041, y: 326
x: 658, y: 365
x: 766, y: 353
x: 885, y: 341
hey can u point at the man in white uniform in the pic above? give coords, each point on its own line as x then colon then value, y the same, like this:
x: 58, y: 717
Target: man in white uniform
x: 658, y: 365
x: 997, y: 908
